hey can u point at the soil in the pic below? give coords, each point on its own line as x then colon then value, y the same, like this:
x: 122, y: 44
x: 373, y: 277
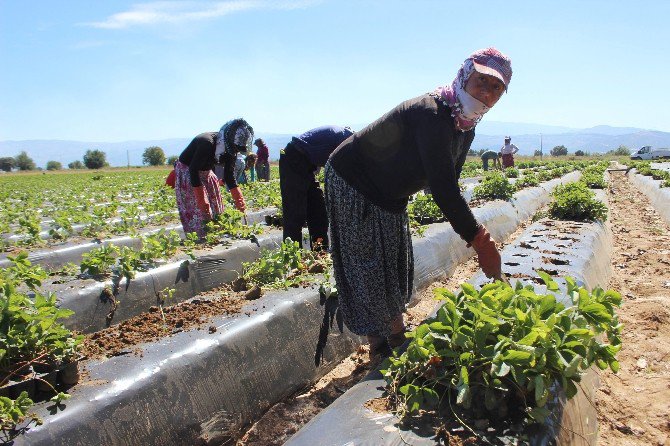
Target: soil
x: 634, y: 404
x: 158, y: 322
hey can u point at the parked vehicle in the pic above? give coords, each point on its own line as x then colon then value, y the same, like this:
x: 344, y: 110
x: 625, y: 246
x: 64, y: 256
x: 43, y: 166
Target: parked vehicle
x: 647, y: 153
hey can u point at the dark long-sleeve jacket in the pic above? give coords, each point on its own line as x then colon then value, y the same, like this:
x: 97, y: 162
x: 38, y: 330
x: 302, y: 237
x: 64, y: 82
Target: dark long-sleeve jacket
x: 199, y: 155
x: 411, y: 147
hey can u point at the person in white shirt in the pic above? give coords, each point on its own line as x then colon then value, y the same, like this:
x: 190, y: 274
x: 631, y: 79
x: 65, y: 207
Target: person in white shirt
x: 508, y: 151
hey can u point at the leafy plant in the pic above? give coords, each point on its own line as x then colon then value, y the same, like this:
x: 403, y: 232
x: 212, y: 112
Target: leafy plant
x: 500, y: 347
x: 99, y: 260
x: 495, y: 186
x: 424, y: 210
x: 229, y: 224
x: 282, y: 267
x: 575, y: 201
x: 527, y: 180
x: 13, y: 412
x: 512, y: 172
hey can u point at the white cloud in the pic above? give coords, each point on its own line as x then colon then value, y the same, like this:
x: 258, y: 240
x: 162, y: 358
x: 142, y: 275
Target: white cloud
x: 183, y: 11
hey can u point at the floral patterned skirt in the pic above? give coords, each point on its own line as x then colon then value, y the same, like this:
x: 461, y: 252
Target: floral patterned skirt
x: 372, y: 257
x: 192, y: 219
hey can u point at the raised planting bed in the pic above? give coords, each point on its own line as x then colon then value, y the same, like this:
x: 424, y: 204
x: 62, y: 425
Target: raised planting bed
x: 582, y: 251
x: 659, y: 196
x: 220, y: 380
x: 440, y: 249
x: 92, y: 301
x: 58, y: 256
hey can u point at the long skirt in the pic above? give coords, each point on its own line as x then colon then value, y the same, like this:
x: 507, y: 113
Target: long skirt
x: 263, y: 171
x: 372, y: 257
x: 192, y: 218
x: 507, y: 160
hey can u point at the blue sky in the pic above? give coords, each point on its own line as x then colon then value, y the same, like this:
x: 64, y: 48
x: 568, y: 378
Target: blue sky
x: 125, y: 70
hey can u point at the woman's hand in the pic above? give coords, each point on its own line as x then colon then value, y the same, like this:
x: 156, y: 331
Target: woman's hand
x: 487, y: 254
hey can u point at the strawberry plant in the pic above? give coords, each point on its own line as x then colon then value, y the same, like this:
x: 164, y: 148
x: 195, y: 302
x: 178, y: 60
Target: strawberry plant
x: 424, y: 210
x: 495, y: 186
x: 99, y: 261
x: 527, y: 180
x: 512, y: 172
x: 280, y: 268
x: 490, y: 351
x: 13, y: 412
x: 575, y: 201
x: 229, y: 224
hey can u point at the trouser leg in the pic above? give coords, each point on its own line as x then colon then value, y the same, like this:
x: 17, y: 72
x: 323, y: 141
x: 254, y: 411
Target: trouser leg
x: 293, y: 195
x: 317, y: 219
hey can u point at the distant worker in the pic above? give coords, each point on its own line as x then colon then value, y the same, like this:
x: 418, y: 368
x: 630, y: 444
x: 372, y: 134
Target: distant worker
x: 263, y: 160
x: 196, y: 185
x: 491, y: 155
x: 508, y: 150
x: 301, y: 196
x: 251, y: 162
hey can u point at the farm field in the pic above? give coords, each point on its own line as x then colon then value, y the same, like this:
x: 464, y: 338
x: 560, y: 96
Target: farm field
x: 157, y: 293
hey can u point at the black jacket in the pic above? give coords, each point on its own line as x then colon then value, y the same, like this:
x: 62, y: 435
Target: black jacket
x: 411, y: 147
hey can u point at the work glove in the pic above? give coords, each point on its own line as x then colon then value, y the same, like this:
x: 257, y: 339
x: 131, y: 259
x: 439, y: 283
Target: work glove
x: 238, y: 199
x: 487, y: 253
x: 202, y: 202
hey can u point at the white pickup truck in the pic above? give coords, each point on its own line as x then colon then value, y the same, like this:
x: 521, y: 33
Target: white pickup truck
x: 647, y: 153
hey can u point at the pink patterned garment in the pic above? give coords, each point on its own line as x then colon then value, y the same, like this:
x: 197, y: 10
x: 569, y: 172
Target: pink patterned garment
x: 192, y: 219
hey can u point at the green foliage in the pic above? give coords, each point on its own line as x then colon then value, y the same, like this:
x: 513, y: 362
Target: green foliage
x: 171, y: 160
x: 99, y: 261
x: 495, y: 186
x: 424, y: 210
x: 153, y: 156
x: 512, y: 172
x: 282, y: 267
x: 13, y: 412
x: 75, y: 165
x: 559, y: 151
x: 593, y: 177
x: 7, y: 163
x: 580, y: 153
x: 54, y: 165
x: 537, y: 152
x: 575, y: 201
x: 620, y: 151
x: 229, y: 224
x: 24, y: 162
x: 499, y: 347
x: 527, y: 180
x: 95, y: 159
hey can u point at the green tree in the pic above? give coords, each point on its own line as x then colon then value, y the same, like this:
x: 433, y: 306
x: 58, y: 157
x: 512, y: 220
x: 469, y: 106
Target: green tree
x: 537, y: 152
x: 7, y: 163
x: 54, y: 165
x: 620, y: 151
x: 559, y: 151
x: 95, y: 159
x: 580, y: 153
x: 153, y: 156
x: 24, y: 162
x: 171, y: 160
x: 75, y: 165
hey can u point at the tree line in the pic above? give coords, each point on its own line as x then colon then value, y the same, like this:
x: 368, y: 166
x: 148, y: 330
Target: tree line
x: 93, y: 159
x: 563, y: 151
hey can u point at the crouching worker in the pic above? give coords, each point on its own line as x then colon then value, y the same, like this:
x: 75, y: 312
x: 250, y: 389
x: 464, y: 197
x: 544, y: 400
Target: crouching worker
x: 490, y: 155
x: 196, y: 184
x: 301, y: 195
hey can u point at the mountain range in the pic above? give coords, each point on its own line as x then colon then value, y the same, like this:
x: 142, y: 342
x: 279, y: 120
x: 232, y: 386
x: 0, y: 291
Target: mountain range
x: 489, y: 135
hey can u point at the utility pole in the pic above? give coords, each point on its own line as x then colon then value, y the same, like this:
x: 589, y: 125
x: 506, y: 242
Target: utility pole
x: 128, y: 158
x: 541, y: 151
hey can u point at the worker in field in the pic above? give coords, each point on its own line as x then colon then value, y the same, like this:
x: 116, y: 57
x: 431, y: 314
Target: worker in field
x: 196, y: 185
x: 368, y: 181
x: 301, y: 195
x: 491, y: 155
x: 262, y: 160
x: 508, y: 150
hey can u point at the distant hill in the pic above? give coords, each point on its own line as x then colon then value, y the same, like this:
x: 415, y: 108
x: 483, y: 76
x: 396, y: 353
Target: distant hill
x: 490, y: 135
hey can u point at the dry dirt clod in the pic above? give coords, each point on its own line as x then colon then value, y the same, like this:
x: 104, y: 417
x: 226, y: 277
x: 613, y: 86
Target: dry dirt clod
x: 254, y: 293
